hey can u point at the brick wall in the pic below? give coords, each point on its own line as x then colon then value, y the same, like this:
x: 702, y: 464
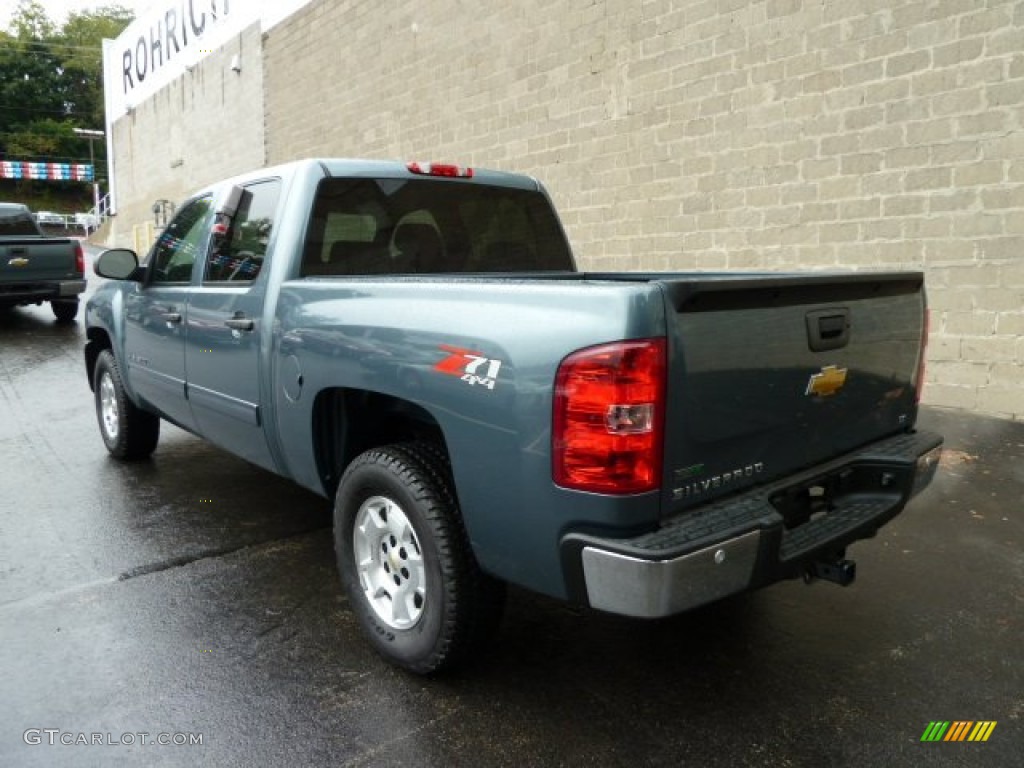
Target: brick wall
x: 716, y: 134
x: 204, y: 126
x: 710, y: 134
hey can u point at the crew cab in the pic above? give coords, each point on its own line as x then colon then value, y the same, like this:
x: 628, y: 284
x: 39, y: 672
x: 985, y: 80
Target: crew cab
x: 35, y: 268
x: 415, y: 342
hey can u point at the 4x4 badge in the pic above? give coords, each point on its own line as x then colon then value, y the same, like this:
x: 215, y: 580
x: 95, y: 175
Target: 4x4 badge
x: 828, y: 382
x: 470, y: 366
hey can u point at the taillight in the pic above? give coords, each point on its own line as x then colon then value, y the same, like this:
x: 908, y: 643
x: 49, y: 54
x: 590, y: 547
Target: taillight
x: 925, y: 330
x: 79, y: 258
x: 609, y: 418
x: 441, y: 169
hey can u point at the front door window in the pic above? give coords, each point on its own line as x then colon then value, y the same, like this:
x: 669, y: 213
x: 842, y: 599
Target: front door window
x: 181, y: 243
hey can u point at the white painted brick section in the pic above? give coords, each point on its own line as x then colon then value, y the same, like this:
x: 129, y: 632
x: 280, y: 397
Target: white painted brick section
x: 203, y: 127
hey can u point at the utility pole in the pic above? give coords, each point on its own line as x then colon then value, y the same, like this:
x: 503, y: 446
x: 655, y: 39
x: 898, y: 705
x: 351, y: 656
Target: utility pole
x: 92, y: 135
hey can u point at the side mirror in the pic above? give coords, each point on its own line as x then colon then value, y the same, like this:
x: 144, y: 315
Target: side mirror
x: 118, y: 264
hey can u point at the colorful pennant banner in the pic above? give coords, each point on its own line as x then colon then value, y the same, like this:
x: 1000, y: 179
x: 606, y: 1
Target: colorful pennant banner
x: 15, y: 169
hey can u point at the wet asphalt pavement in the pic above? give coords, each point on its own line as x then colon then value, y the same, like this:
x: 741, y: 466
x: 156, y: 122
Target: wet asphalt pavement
x: 194, y: 595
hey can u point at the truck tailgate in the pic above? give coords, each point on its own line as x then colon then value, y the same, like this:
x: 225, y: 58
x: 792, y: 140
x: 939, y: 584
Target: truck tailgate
x: 772, y: 374
x: 35, y: 259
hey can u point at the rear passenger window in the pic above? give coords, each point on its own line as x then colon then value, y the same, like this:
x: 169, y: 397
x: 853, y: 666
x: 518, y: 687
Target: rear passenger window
x: 360, y: 228
x: 396, y: 226
x: 344, y: 233
x: 16, y: 221
x: 240, y: 256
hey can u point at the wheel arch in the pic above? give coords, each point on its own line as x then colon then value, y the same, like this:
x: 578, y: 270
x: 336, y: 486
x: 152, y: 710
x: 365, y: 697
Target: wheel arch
x: 348, y: 422
x: 97, y: 340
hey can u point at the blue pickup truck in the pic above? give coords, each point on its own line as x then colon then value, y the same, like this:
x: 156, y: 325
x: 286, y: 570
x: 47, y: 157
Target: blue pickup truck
x: 414, y: 341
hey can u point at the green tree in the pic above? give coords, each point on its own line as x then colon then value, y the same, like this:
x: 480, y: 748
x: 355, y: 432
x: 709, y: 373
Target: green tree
x: 51, y: 82
x: 82, y: 60
x: 29, y: 73
x: 42, y: 138
x: 30, y: 22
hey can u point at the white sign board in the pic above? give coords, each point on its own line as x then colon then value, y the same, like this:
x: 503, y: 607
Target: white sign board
x: 163, y: 42
x: 168, y: 39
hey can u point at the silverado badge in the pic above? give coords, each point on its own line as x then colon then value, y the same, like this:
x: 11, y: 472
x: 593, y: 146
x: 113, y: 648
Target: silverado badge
x: 828, y: 382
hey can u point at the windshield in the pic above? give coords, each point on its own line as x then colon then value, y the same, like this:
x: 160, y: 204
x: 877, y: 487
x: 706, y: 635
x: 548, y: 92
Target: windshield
x: 402, y: 226
x: 17, y: 222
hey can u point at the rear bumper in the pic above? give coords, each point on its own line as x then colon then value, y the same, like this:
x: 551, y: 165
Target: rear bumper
x: 745, y: 541
x: 48, y: 290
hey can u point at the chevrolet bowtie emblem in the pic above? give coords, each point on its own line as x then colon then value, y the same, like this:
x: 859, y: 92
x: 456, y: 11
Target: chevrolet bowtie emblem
x: 828, y: 382
x: 18, y: 262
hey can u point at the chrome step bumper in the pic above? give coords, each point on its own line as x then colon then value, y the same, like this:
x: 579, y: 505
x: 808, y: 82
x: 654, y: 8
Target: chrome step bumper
x: 743, y: 541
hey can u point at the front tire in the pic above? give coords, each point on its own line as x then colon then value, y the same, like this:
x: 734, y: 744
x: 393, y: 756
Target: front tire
x: 128, y: 432
x: 405, y: 560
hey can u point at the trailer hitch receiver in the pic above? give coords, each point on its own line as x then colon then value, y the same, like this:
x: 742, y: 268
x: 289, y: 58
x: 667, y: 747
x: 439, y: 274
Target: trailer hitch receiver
x: 841, y: 572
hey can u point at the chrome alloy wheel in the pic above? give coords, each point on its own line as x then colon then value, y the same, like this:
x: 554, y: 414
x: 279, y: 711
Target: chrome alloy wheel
x: 108, y: 407
x: 389, y: 562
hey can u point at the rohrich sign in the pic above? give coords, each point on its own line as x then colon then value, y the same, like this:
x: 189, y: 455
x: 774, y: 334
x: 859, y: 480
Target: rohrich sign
x: 163, y: 42
x: 168, y: 39
x: 172, y: 34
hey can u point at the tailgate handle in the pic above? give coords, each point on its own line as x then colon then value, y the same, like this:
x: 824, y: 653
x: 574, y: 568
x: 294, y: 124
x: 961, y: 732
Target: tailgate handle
x: 832, y: 326
x: 828, y: 329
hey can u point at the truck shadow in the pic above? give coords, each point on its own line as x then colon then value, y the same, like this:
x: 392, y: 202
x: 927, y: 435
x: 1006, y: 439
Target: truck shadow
x: 21, y: 319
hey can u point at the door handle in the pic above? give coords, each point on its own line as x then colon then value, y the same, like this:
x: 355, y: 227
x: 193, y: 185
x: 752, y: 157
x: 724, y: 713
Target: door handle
x: 240, y: 323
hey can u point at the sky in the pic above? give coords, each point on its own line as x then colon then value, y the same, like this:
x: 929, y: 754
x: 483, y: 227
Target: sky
x: 58, y: 10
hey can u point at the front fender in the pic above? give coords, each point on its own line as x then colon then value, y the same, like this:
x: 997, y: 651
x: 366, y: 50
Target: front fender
x: 104, y: 324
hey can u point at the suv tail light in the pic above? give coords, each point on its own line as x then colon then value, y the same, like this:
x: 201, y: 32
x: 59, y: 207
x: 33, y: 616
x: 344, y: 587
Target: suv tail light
x: 79, y: 258
x: 609, y: 418
x: 925, y: 331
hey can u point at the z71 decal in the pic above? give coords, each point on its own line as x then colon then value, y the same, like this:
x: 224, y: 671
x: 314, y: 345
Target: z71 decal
x: 470, y: 366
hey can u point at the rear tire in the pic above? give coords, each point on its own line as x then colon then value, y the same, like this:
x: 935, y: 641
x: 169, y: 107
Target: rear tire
x: 406, y: 563
x: 64, y: 311
x: 129, y: 432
